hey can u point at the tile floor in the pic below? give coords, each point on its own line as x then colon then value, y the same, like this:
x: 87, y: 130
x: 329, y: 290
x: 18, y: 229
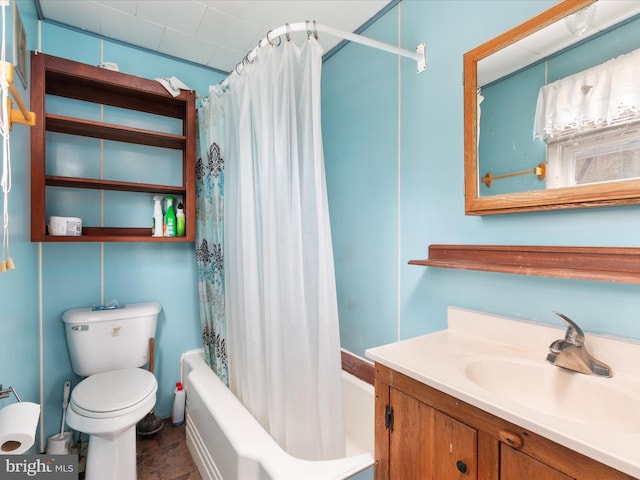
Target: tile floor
x: 164, y: 456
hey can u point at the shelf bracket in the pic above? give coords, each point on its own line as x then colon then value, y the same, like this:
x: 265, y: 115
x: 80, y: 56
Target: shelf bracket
x: 421, y: 57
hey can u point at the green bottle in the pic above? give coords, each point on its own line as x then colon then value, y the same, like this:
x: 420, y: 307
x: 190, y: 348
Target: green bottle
x: 170, y: 219
x: 180, y: 221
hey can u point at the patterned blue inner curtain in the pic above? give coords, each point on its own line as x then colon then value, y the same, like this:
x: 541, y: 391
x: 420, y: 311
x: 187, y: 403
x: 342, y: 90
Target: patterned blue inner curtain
x: 210, y: 232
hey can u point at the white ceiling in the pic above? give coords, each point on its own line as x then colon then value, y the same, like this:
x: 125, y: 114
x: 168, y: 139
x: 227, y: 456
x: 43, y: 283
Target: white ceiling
x: 215, y: 33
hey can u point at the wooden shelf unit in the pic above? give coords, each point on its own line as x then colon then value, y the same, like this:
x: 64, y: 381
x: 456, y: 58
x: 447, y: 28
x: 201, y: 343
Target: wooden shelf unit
x: 77, y: 81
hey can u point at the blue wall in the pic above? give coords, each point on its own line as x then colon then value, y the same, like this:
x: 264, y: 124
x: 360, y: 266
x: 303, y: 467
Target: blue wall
x: 93, y: 273
x: 394, y: 161
x: 76, y: 275
x: 19, y: 339
x: 388, y: 202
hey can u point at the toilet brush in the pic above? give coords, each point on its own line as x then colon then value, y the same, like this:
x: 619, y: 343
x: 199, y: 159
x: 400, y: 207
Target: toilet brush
x: 151, y: 423
x: 65, y: 404
x: 60, y: 443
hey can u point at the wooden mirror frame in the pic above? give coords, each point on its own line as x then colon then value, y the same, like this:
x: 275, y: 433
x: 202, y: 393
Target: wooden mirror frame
x: 595, y: 195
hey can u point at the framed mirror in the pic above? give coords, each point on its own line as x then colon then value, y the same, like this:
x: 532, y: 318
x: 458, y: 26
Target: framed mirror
x: 529, y: 148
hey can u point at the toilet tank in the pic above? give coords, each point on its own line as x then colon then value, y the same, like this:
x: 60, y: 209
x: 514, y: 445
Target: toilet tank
x: 104, y: 340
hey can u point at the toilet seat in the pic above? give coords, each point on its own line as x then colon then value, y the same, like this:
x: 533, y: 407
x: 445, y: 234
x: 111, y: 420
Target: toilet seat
x: 113, y: 393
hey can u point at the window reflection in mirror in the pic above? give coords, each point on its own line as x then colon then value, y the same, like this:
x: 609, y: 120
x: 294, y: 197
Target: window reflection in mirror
x: 607, y: 155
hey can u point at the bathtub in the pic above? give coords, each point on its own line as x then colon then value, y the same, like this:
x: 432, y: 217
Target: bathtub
x: 228, y: 443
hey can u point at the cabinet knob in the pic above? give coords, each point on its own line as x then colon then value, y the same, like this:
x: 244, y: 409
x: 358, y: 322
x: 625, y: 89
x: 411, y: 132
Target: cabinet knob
x: 462, y: 467
x: 512, y: 439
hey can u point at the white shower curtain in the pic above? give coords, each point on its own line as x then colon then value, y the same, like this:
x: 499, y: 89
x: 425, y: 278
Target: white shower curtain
x: 282, y: 319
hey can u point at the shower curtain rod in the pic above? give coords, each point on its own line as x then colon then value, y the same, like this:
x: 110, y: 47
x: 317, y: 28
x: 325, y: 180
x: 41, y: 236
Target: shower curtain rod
x: 312, y: 28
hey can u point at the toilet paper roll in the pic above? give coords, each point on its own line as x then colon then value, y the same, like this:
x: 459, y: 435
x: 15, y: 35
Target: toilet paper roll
x: 18, y: 423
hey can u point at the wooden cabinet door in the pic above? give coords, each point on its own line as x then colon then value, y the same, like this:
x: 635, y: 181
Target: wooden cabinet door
x: 425, y: 444
x: 410, y: 438
x: 455, y: 449
x: 515, y: 465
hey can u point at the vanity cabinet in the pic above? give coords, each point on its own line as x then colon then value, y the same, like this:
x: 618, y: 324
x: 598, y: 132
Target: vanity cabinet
x: 423, y: 433
x: 166, y: 150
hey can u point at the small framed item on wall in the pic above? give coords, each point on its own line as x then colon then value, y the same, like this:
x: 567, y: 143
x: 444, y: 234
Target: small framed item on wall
x: 19, y: 47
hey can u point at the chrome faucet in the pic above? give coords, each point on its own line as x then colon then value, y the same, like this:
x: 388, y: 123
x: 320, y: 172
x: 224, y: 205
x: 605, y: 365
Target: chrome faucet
x: 571, y: 353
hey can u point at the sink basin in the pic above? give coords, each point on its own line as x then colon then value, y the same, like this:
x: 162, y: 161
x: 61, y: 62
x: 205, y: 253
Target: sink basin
x: 591, y: 400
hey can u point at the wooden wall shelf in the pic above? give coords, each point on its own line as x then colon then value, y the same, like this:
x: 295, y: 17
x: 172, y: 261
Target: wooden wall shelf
x: 76, y: 82
x: 75, y: 182
x: 111, y: 234
x: 606, y: 264
x: 88, y: 128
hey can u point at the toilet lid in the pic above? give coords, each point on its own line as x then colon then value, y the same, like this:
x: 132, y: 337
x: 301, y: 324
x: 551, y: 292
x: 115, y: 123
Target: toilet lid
x: 114, y: 390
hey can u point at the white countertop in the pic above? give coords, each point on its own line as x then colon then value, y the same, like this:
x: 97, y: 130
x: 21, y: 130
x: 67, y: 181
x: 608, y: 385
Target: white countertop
x: 440, y: 360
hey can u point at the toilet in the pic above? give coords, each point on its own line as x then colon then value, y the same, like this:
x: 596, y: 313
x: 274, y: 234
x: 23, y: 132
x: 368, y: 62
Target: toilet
x: 108, y: 347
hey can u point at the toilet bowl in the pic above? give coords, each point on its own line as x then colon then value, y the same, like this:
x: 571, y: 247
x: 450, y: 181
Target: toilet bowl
x: 108, y: 348
x: 107, y: 406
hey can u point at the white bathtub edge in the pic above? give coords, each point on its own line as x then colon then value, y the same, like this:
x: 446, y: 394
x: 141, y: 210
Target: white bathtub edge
x: 258, y: 457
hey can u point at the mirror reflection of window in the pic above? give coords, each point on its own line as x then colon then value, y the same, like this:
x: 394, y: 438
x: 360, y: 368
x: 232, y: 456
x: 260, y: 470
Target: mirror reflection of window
x: 607, y: 156
x: 589, y: 121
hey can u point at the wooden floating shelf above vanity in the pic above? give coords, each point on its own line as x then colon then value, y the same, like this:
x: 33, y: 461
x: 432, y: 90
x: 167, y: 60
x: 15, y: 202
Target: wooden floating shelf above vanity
x: 607, y: 264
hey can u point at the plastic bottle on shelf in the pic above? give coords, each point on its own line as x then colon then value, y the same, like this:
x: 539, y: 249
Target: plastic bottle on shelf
x: 170, y: 219
x: 180, y: 221
x: 179, y: 398
x: 157, y: 225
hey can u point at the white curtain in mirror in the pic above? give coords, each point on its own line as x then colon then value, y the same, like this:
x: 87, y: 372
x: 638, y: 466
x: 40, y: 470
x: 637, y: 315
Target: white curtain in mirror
x: 602, y: 96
